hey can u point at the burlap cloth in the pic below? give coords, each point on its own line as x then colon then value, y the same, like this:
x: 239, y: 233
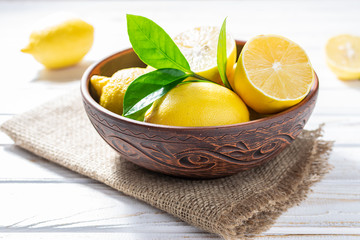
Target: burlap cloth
x: 233, y: 207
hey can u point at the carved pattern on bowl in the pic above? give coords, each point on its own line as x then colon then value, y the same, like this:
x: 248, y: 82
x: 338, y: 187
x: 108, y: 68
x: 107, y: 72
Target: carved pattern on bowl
x: 243, y: 151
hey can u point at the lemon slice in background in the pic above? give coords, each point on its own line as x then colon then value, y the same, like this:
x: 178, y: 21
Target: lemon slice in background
x: 343, y: 56
x: 111, y: 90
x: 198, y: 104
x: 272, y: 74
x: 60, y: 40
x: 199, y: 46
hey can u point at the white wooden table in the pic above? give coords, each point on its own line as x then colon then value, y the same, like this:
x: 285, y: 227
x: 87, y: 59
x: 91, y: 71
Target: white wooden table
x: 40, y: 200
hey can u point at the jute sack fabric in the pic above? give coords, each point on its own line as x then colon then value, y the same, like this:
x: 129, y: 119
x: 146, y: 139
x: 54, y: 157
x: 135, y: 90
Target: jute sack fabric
x: 233, y: 207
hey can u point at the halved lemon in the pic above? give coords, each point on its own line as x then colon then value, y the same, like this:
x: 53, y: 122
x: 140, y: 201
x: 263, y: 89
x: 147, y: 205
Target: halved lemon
x: 273, y: 73
x: 199, y: 46
x: 343, y: 56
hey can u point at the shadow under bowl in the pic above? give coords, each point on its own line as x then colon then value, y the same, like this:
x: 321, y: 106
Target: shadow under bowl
x: 192, y: 152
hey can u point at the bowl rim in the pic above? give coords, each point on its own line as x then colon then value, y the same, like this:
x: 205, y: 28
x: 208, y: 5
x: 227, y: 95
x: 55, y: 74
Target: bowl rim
x: 85, y: 83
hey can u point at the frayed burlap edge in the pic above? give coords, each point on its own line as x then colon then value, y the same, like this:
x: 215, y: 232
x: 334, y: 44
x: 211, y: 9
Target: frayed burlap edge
x: 243, y: 222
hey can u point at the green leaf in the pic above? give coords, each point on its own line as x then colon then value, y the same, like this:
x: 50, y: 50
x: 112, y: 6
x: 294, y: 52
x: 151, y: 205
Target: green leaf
x: 147, y: 88
x: 139, y: 115
x: 222, y: 55
x: 153, y: 45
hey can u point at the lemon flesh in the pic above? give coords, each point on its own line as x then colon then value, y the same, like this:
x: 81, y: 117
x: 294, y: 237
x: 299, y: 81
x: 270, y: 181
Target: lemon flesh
x: 343, y: 56
x: 111, y: 90
x: 60, y: 40
x: 198, y: 104
x: 272, y: 74
x: 199, y: 46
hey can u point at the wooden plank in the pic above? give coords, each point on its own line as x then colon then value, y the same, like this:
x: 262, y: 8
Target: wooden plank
x: 20, y: 166
x: 66, y: 208
x: 58, y: 210
x: 165, y: 236
x: 107, y: 236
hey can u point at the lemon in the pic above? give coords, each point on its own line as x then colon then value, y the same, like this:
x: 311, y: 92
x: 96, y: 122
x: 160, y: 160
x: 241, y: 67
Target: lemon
x: 197, y: 104
x: 272, y: 74
x: 60, y: 40
x: 343, y: 56
x: 111, y: 90
x: 199, y: 46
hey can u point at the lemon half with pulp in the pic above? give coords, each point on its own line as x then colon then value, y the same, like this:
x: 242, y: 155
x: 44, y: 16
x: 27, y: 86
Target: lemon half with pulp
x: 273, y: 73
x: 199, y: 46
x: 343, y: 56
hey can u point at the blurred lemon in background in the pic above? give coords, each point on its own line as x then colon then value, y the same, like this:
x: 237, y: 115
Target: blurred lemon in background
x: 60, y: 40
x: 199, y: 46
x: 343, y: 56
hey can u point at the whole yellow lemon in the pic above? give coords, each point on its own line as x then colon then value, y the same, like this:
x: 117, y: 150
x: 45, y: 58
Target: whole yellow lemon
x: 196, y: 104
x: 60, y: 40
x: 111, y: 90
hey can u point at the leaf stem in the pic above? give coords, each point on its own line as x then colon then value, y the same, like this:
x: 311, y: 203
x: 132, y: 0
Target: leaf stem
x: 199, y: 77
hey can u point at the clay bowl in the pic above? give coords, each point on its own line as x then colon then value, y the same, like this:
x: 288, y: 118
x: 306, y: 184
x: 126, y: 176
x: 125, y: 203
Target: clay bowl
x: 192, y: 152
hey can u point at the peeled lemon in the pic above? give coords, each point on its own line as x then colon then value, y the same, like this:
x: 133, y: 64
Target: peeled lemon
x: 199, y: 46
x: 60, y: 40
x: 196, y: 104
x: 111, y: 90
x: 343, y: 56
x: 273, y: 73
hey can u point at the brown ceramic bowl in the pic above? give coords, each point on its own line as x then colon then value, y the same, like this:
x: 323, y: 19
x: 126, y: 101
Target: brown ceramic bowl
x: 194, y: 152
